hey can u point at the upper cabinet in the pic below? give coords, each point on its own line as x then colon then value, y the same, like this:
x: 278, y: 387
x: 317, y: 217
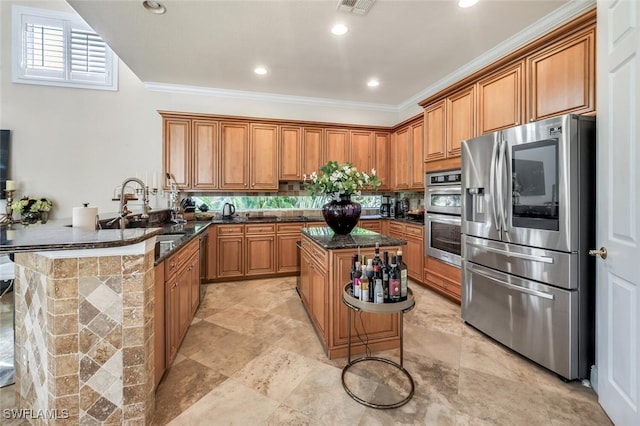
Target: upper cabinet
x: 369, y: 150
x: 291, y: 153
x: 551, y: 76
x: 501, y: 99
x: 336, y: 145
x: 206, y: 151
x: 561, y: 77
x: 177, y: 151
x: 416, y: 176
x: 263, y: 157
x: 406, y: 165
x: 312, y: 142
x: 234, y: 156
x: 381, y: 159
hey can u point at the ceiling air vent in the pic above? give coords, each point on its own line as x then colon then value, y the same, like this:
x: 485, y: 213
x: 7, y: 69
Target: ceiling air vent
x: 359, y: 7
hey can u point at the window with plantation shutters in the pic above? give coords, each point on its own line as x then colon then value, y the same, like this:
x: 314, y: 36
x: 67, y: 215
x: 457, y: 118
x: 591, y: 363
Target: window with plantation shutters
x: 53, y: 48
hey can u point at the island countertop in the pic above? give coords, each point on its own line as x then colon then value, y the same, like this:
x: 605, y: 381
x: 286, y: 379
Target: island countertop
x: 359, y: 237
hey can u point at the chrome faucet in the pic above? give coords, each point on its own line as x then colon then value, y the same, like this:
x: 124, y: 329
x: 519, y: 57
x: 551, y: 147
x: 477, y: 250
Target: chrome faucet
x: 123, y: 210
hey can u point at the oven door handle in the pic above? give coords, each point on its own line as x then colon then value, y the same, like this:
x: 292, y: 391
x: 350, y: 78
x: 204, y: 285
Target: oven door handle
x: 510, y: 286
x: 444, y: 219
x: 543, y: 259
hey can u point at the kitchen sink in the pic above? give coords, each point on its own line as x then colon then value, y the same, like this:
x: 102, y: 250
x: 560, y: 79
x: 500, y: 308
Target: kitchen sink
x: 168, y: 238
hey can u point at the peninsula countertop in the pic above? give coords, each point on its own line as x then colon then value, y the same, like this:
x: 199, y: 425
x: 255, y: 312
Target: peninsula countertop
x: 359, y: 237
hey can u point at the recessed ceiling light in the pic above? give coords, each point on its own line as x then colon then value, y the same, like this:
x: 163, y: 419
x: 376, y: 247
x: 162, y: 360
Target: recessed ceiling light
x: 373, y: 83
x: 260, y: 70
x: 339, y: 29
x: 154, y: 6
x: 467, y: 3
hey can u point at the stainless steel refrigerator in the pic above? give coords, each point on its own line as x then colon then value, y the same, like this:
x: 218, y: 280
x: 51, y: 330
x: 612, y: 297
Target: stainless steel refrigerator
x: 528, y: 221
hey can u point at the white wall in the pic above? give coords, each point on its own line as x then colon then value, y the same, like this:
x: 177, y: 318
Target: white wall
x: 76, y: 145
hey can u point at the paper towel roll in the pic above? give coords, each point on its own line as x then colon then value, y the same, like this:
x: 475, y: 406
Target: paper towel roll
x: 84, y: 217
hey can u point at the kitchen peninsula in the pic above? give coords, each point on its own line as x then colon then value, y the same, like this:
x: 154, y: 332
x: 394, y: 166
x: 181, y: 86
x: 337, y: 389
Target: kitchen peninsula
x: 84, y: 322
x: 324, y: 271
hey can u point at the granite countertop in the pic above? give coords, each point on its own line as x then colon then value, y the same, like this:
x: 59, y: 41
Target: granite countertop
x: 359, y: 237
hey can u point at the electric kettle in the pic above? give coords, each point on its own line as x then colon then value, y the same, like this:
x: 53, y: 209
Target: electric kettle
x: 228, y: 210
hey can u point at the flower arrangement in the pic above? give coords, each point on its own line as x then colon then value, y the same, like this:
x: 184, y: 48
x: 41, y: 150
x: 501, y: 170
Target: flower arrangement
x: 31, y: 205
x: 340, y: 179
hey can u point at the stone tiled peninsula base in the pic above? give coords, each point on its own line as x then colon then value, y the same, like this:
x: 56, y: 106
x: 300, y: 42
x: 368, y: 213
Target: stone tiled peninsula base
x: 84, y: 335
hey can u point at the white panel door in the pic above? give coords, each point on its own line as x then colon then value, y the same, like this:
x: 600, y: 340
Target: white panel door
x: 618, y: 210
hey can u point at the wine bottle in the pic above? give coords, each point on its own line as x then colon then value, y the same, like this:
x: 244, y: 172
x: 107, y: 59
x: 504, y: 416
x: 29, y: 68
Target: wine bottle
x: 378, y: 290
x: 357, y: 274
x: 394, y: 281
x: 364, y: 285
x: 376, y: 256
x: 371, y: 284
x: 385, y: 275
x: 404, y: 278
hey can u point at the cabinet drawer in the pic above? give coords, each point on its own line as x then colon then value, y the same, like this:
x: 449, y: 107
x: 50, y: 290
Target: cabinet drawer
x: 315, y: 252
x: 396, y: 228
x: 262, y: 228
x: 176, y: 260
x: 230, y: 229
x: 289, y: 228
x: 414, y: 231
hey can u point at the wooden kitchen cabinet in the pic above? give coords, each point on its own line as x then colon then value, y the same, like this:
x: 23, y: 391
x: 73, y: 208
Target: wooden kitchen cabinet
x: 177, y: 151
x: 206, y: 149
x: 381, y: 159
x: 400, y: 158
x: 374, y: 225
x: 291, y: 164
x: 448, y: 122
x: 362, y: 149
x: 314, y: 288
x: 234, y: 155
x: 413, y: 253
x: 312, y: 150
x: 501, y: 99
x: 287, y: 237
x: 263, y: 157
x: 260, y: 249
x: 212, y: 254
x: 443, y: 278
x: 230, y: 249
x: 336, y: 145
x: 561, y: 77
x: 417, y: 165
x: 182, y: 275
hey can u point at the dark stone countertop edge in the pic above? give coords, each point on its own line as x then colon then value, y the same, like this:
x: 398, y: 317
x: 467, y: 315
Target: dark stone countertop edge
x: 359, y: 237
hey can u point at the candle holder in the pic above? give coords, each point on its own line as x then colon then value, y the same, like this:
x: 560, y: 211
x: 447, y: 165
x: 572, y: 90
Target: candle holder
x: 7, y: 218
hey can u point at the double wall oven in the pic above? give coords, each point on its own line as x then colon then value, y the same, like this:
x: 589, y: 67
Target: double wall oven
x: 443, y: 201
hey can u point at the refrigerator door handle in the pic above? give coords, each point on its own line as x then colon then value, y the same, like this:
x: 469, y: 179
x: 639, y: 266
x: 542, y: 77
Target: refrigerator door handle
x: 532, y: 292
x: 503, y: 176
x: 543, y: 259
x: 492, y: 184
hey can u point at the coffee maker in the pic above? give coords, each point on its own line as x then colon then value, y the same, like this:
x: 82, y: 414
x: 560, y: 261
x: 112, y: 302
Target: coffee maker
x: 385, y: 207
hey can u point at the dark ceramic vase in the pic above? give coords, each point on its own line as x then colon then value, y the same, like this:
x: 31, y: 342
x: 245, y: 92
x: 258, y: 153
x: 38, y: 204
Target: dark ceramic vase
x: 341, y: 215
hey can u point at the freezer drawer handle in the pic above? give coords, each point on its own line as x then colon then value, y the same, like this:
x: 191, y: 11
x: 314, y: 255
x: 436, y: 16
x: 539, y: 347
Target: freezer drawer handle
x: 514, y: 287
x: 543, y: 259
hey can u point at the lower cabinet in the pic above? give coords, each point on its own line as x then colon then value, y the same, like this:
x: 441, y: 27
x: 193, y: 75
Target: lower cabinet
x: 443, y: 278
x: 230, y: 248
x: 314, y: 292
x: 413, y: 254
x: 260, y: 249
x: 181, y: 299
x: 288, y: 256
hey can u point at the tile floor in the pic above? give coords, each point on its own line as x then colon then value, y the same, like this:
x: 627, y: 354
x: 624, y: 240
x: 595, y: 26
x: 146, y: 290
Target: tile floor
x: 251, y: 357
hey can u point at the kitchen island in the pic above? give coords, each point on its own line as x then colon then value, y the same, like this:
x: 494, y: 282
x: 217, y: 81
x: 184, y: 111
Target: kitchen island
x: 324, y: 270
x: 84, y: 316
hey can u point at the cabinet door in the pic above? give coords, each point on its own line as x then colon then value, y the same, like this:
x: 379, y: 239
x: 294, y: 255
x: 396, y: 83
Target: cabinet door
x: 436, y: 131
x: 212, y: 254
x: 184, y: 300
x: 194, y: 284
x: 311, y: 150
x: 234, y: 155
x: 264, y: 157
x: 417, y: 165
x: 361, y: 150
x: 260, y: 254
x: 305, y: 280
x: 290, y: 153
x: 381, y: 159
x: 319, y: 289
x: 561, y: 78
x: 413, y: 256
x: 337, y: 145
x: 460, y: 120
x: 205, y: 155
x: 172, y: 319
x: 400, y: 161
x: 288, y: 256
x: 500, y: 99
x: 230, y: 256
x: 177, y: 151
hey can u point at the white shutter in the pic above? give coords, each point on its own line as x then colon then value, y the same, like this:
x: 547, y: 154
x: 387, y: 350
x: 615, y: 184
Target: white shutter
x: 60, y: 49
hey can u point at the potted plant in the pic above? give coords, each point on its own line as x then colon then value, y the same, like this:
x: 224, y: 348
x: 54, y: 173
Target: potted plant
x: 33, y: 209
x: 340, y: 181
